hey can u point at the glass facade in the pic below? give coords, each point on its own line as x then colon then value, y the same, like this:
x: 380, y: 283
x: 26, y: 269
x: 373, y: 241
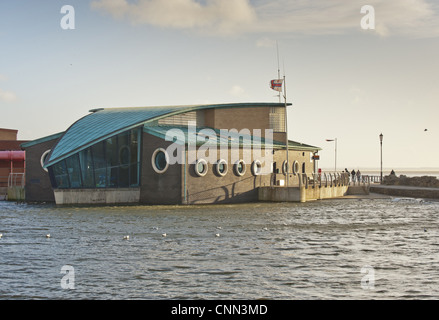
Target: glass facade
x: 112, y: 163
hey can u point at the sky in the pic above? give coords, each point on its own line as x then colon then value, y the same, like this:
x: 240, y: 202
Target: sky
x: 345, y: 82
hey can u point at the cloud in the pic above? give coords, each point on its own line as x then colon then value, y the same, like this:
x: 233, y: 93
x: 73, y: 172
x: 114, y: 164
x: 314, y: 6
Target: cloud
x: 217, y: 16
x: 266, y: 43
x: 417, y: 18
x: 319, y: 17
x: 237, y: 91
x: 7, y: 96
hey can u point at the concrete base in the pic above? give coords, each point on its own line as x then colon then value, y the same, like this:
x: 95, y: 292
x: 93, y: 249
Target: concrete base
x: 3, y: 193
x: 16, y: 194
x: 97, y: 196
x: 280, y: 194
x: 406, y: 191
x: 358, y: 190
x: 300, y: 194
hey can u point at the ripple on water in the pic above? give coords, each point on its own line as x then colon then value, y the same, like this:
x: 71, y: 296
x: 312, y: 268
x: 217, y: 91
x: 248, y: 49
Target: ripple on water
x: 276, y: 251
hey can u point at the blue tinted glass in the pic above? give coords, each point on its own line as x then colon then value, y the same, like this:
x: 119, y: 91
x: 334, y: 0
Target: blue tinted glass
x: 160, y: 160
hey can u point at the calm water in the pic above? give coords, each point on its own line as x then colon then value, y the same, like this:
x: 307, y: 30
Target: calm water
x: 271, y: 251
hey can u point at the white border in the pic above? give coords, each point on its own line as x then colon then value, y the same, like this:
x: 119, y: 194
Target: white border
x: 222, y: 161
x: 256, y: 164
x: 153, y: 160
x: 235, y: 167
x: 42, y: 159
x: 206, y: 167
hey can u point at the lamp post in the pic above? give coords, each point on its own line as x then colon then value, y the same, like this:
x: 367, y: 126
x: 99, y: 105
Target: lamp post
x: 332, y: 140
x: 381, y: 143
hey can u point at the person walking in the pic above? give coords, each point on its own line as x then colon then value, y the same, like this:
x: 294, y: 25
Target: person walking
x: 358, y: 176
x: 353, y: 175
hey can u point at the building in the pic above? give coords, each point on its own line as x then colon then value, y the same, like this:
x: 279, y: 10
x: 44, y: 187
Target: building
x: 12, y: 165
x: 200, y: 154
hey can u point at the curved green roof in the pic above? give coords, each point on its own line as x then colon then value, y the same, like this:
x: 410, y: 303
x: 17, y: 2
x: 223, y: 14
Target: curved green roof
x: 104, y: 123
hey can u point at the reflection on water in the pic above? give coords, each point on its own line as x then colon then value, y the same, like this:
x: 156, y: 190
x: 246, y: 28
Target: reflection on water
x: 314, y: 250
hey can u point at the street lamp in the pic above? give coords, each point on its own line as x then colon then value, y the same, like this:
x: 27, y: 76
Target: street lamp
x: 332, y: 140
x: 381, y: 143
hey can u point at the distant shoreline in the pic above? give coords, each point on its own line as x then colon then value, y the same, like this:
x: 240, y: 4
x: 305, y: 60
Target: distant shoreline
x: 409, y: 172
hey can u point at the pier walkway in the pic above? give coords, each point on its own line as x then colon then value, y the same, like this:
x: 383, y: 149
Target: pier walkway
x: 314, y: 187
x: 406, y: 191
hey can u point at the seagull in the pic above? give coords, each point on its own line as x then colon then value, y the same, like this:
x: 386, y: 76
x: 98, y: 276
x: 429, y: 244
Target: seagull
x: 126, y: 237
x: 164, y: 235
x: 265, y: 229
x: 219, y: 228
x: 154, y: 228
x: 1, y: 235
x: 217, y: 235
x: 47, y: 235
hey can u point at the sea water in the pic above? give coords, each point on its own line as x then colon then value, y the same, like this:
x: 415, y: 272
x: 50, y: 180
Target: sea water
x: 331, y: 249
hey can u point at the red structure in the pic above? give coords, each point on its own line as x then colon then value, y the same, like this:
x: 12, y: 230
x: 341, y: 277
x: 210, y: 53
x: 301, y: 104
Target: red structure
x: 12, y: 158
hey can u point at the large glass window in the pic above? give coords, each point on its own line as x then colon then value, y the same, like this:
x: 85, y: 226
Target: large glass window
x: 74, y: 171
x: 134, y: 158
x: 112, y: 163
x: 111, y: 153
x: 124, y: 160
x: 61, y: 176
x: 87, y: 170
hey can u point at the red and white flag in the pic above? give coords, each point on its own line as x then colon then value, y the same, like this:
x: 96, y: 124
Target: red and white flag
x: 276, y: 85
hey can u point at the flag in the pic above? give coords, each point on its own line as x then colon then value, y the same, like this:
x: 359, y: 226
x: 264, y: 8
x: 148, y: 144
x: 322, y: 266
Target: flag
x: 276, y: 85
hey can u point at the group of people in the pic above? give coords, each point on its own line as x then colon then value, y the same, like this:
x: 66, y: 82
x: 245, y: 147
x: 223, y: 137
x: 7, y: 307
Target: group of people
x: 355, y: 176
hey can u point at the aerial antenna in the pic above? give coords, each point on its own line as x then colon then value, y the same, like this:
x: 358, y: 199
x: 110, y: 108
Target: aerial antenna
x: 278, y: 67
x: 287, y: 143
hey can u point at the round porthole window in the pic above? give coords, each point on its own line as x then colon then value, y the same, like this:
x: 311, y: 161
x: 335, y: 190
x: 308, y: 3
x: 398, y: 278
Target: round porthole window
x: 160, y: 161
x: 256, y: 167
x: 240, y: 168
x: 43, y: 159
x: 201, y: 167
x: 221, y: 167
x: 295, y: 167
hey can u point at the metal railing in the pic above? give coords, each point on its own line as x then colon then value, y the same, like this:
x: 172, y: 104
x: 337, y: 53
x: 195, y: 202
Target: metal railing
x: 323, y: 179
x: 16, y: 180
x: 365, y: 180
x: 334, y: 179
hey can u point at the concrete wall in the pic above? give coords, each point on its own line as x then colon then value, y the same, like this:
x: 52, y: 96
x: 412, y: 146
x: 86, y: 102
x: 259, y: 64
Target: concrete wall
x: 16, y: 194
x: 158, y: 188
x: 412, y: 192
x: 97, y: 196
x: 38, y: 186
x: 231, y: 188
x: 280, y: 194
x: 8, y: 134
x: 238, y: 118
x: 302, y: 157
x: 300, y: 194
